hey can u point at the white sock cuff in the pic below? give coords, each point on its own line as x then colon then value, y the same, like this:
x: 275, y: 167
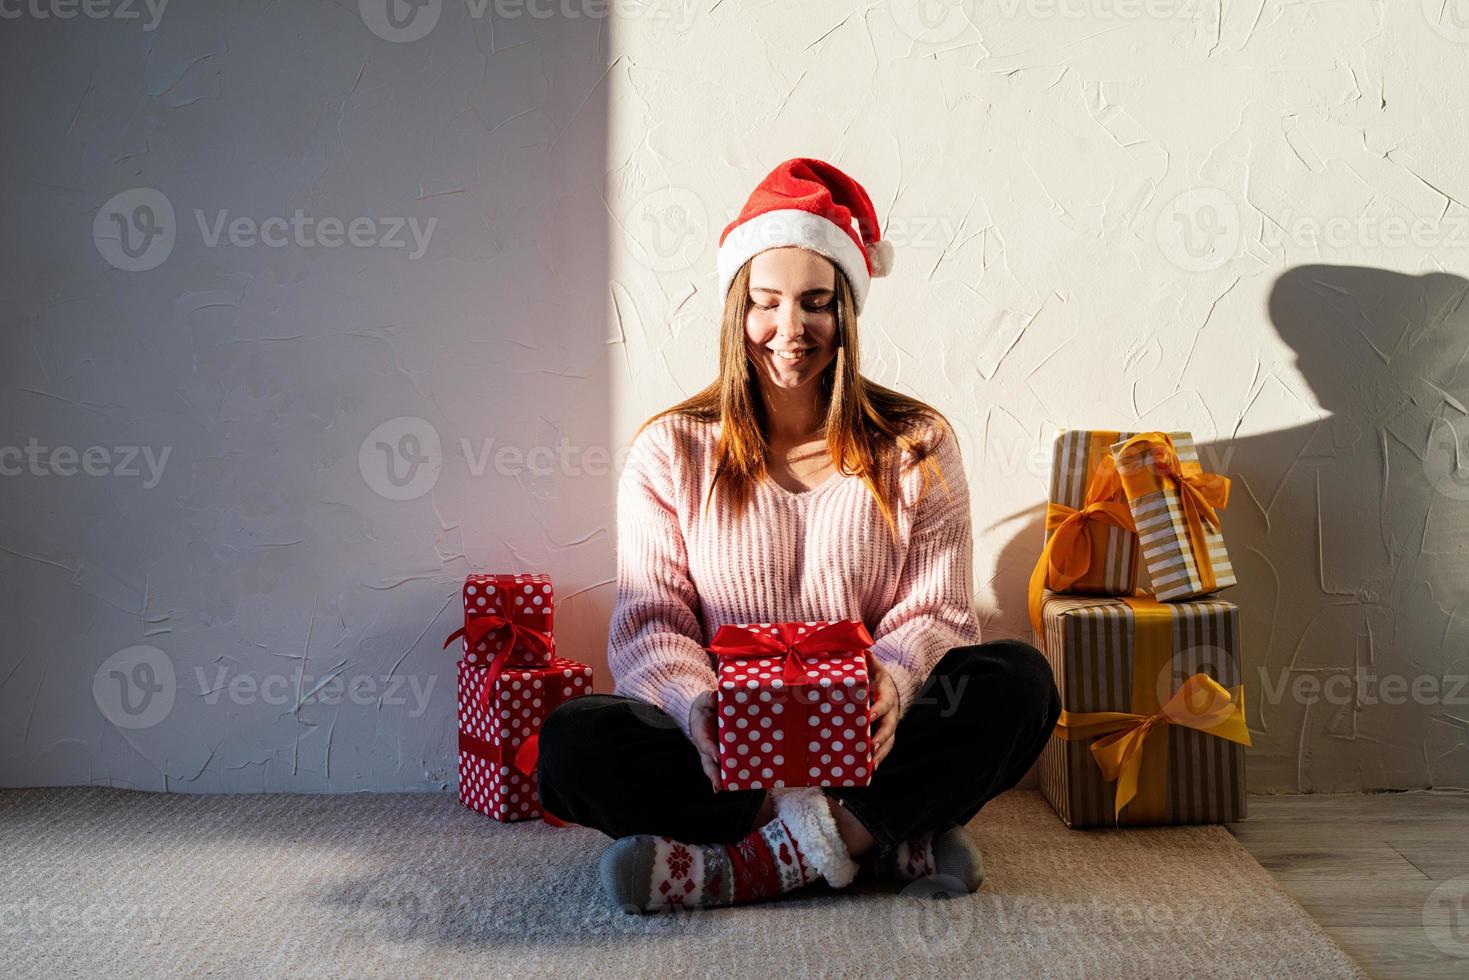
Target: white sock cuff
x: 805, y: 811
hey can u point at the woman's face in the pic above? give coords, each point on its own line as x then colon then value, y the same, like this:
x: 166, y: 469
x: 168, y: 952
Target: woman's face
x: 791, y: 329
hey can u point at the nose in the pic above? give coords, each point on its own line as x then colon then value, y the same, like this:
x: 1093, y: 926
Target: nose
x: 788, y: 323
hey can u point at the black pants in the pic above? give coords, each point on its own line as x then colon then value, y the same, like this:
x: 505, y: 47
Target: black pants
x: 978, y: 722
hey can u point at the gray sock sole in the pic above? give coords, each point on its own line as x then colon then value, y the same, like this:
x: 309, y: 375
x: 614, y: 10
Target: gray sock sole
x: 626, y: 868
x: 957, y: 856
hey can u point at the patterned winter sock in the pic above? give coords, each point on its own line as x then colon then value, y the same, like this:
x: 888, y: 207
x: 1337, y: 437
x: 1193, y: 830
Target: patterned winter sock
x: 948, y: 853
x: 645, y: 873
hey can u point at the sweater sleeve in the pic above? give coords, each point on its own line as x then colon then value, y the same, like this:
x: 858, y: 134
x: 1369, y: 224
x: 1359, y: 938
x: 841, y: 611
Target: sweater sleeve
x: 655, y: 642
x: 932, y: 610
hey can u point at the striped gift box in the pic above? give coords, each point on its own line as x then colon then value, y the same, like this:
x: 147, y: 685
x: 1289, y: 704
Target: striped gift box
x: 1179, y: 568
x: 1078, y: 453
x: 1132, y: 654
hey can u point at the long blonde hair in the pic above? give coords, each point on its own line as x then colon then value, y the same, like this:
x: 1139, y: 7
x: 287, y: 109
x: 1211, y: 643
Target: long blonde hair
x: 868, y: 426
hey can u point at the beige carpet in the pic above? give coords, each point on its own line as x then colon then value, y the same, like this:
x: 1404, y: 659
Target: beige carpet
x: 119, y: 884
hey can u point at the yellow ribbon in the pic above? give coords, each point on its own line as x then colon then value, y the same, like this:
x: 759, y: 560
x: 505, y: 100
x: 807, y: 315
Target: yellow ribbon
x: 1067, y: 555
x: 1148, y: 462
x: 1200, y: 703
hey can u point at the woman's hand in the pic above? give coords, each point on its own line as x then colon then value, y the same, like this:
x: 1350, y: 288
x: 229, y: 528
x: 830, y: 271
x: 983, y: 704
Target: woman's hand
x: 701, y: 730
x: 882, y: 709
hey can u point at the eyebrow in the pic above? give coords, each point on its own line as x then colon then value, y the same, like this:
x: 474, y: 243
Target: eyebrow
x: 814, y: 291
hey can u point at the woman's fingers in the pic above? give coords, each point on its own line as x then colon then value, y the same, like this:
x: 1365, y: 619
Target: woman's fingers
x: 711, y: 771
x: 885, y: 736
x: 701, y: 731
x: 711, y: 761
x: 876, y: 675
x: 882, y: 712
x: 880, y: 730
x: 882, y: 737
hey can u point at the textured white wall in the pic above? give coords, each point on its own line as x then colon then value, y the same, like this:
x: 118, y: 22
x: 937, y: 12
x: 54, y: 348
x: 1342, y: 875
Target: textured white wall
x: 1108, y: 213
x: 294, y: 596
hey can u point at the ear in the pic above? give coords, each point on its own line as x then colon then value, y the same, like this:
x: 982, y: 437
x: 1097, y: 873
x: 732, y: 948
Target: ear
x: 880, y: 256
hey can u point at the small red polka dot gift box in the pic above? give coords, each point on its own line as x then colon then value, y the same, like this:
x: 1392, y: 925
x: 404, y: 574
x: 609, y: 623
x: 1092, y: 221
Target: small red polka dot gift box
x: 508, y: 616
x: 509, y: 680
x: 792, y: 704
x: 499, y: 730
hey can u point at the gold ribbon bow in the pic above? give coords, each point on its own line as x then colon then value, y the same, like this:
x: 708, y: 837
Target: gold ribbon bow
x: 1067, y: 555
x: 1200, y: 703
x: 1148, y: 462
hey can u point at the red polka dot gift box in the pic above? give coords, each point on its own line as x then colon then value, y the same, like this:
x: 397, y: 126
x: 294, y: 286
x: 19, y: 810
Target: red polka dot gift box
x: 508, y: 616
x: 509, y: 680
x: 791, y: 704
x: 499, y: 729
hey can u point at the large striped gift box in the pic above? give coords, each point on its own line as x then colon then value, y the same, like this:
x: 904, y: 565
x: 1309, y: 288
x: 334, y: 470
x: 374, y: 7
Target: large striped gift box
x: 1175, y: 506
x: 1152, y: 729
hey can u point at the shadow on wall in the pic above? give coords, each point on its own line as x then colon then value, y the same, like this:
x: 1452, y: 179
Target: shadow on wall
x: 1350, y: 538
x: 342, y: 268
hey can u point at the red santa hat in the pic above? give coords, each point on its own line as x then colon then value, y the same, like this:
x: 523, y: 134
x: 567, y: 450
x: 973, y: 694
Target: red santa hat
x: 814, y: 205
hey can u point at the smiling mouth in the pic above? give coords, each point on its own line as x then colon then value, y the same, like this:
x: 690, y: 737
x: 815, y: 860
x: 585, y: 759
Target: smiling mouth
x: 791, y: 355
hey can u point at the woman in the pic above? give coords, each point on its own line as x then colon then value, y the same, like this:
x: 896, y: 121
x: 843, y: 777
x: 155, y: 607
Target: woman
x: 794, y: 489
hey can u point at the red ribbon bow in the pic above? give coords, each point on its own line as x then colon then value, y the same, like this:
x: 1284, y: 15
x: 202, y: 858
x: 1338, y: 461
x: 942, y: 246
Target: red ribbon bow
x: 791, y: 646
x: 522, y: 637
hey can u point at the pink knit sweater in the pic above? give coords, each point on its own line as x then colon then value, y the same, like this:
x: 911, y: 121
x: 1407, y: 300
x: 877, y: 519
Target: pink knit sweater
x: 825, y: 553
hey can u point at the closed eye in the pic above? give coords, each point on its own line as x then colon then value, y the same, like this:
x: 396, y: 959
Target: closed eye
x: 813, y: 307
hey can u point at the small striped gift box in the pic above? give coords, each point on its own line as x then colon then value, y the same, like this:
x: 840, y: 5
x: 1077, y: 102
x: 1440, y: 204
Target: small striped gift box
x: 1154, y: 689
x: 1078, y: 455
x: 1175, y: 507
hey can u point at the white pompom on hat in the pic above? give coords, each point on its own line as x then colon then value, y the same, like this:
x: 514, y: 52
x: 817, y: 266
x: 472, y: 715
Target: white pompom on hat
x: 814, y: 205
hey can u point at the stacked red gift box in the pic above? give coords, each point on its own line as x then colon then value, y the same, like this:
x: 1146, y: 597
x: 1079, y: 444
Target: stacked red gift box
x: 509, y: 680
